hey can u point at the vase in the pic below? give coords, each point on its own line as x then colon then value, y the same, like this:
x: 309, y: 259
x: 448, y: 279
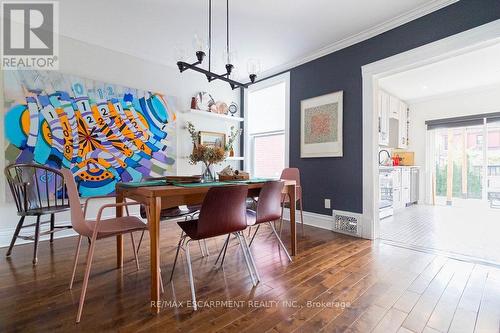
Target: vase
x: 208, y: 174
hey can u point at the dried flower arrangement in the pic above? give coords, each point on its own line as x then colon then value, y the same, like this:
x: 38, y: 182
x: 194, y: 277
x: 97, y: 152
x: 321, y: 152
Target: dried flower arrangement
x: 209, y: 155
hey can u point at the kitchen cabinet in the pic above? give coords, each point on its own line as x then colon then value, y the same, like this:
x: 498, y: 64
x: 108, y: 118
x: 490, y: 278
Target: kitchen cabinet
x: 394, y: 104
x: 398, y: 127
x: 383, y: 118
x: 403, y: 125
x: 405, y: 186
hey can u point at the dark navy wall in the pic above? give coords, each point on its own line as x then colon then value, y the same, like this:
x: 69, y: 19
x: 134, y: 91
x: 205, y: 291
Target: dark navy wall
x: 340, y: 179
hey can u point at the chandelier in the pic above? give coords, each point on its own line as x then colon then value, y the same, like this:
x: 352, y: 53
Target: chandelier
x: 253, y: 65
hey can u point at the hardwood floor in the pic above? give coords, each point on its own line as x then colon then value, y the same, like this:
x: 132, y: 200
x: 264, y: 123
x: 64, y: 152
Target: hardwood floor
x: 336, y: 284
x: 469, y: 230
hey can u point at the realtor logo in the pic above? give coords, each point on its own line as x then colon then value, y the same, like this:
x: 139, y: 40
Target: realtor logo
x: 30, y: 35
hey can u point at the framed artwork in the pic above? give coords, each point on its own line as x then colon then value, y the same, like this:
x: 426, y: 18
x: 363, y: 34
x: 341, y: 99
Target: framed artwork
x: 105, y: 133
x: 321, y: 126
x: 212, y: 139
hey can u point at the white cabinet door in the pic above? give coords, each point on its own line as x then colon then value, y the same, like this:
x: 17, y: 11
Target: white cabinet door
x: 396, y: 198
x: 393, y: 107
x: 383, y: 118
x: 403, y: 126
x: 405, y: 196
x: 405, y: 186
x: 396, y: 178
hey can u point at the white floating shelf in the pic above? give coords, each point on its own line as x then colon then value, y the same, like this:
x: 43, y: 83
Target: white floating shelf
x: 235, y: 158
x: 214, y: 115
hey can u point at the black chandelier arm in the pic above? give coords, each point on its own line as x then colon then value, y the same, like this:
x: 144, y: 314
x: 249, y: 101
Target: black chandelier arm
x: 210, y: 75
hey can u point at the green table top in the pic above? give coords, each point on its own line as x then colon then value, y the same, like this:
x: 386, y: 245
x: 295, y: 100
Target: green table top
x: 208, y: 184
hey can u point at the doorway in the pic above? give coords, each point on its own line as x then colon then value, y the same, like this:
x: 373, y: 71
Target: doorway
x: 479, y: 174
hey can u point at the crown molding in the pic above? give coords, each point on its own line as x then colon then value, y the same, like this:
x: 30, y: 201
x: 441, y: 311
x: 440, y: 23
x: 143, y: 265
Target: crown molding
x: 361, y: 36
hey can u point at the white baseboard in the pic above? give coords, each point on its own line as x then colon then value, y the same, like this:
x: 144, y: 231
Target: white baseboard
x: 313, y: 219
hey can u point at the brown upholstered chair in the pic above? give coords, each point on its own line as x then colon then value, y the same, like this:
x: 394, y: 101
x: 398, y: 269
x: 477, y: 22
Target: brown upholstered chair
x: 223, y: 212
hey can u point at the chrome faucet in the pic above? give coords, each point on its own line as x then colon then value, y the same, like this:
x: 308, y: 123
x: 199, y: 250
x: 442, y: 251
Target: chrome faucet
x: 380, y: 155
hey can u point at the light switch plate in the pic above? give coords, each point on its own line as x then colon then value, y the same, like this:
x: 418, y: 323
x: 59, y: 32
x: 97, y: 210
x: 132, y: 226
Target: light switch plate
x: 327, y: 204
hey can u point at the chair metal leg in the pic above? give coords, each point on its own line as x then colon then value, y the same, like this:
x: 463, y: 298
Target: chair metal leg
x: 255, y: 233
x: 245, y: 255
x: 176, y: 255
x: 52, y: 224
x: 77, y: 253
x: 14, y: 237
x: 190, y: 271
x: 222, y: 250
x: 135, y: 252
x: 252, y: 261
x: 85, y: 280
x: 37, y: 238
x: 161, y: 281
x: 201, y: 249
x: 280, y: 242
x: 140, y: 241
x: 206, y: 247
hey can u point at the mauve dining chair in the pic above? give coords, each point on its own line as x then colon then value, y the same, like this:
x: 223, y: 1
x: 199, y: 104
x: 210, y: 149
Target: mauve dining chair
x: 95, y: 230
x: 292, y: 174
x: 223, y: 212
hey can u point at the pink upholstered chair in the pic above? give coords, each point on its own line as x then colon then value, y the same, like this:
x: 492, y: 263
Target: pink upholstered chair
x: 95, y: 230
x: 292, y: 174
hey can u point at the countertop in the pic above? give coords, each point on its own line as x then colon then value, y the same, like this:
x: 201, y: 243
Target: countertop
x: 385, y: 167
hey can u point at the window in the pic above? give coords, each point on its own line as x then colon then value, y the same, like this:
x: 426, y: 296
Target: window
x: 266, y: 127
x: 268, y: 158
x: 479, y: 140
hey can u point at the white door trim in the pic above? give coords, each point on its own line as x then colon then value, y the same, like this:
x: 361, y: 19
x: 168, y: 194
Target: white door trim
x: 460, y: 43
x: 285, y: 77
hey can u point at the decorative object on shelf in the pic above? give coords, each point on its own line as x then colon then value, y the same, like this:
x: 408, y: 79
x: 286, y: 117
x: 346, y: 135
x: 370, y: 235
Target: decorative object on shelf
x: 253, y: 65
x: 233, y: 109
x: 104, y: 132
x: 232, y: 137
x: 193, y: 103
x: 204, y: 101
x: 221, y: 107
x: 229, y: 174
x: 210, y: 148
x: 321, y: 126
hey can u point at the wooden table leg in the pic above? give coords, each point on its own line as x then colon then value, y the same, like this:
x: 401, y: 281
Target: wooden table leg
x: 293, y: 230
x: 154, y: 236
x: 119, y: 238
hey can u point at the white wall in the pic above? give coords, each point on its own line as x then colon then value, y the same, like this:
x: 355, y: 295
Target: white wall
x: 106, y: 65
x: 484, y: 100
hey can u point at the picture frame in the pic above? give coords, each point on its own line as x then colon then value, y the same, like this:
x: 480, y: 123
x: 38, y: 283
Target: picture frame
x: 321, y: 126
x: 212, y: 139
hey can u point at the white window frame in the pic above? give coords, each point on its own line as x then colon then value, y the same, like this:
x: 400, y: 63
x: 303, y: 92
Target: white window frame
x: 248, y: 144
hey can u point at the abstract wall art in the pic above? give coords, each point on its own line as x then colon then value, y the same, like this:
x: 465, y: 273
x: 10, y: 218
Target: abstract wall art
x: 105, y: 133
x: 321, y: 126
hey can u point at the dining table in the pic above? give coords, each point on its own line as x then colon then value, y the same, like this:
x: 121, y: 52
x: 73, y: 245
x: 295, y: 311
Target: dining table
x: 158, y: 196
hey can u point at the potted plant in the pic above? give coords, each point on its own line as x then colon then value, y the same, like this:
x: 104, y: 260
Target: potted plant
x: 210, y: 155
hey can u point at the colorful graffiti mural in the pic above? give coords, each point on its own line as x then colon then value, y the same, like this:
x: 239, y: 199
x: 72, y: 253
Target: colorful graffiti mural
x: 104, y: 133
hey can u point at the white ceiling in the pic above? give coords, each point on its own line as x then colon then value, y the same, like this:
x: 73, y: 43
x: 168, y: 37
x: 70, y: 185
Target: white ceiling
x: 468, y: 71
x: 277, y: 32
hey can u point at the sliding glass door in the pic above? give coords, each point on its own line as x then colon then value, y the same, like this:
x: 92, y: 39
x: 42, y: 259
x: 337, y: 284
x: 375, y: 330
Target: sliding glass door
x: 459, y: 164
